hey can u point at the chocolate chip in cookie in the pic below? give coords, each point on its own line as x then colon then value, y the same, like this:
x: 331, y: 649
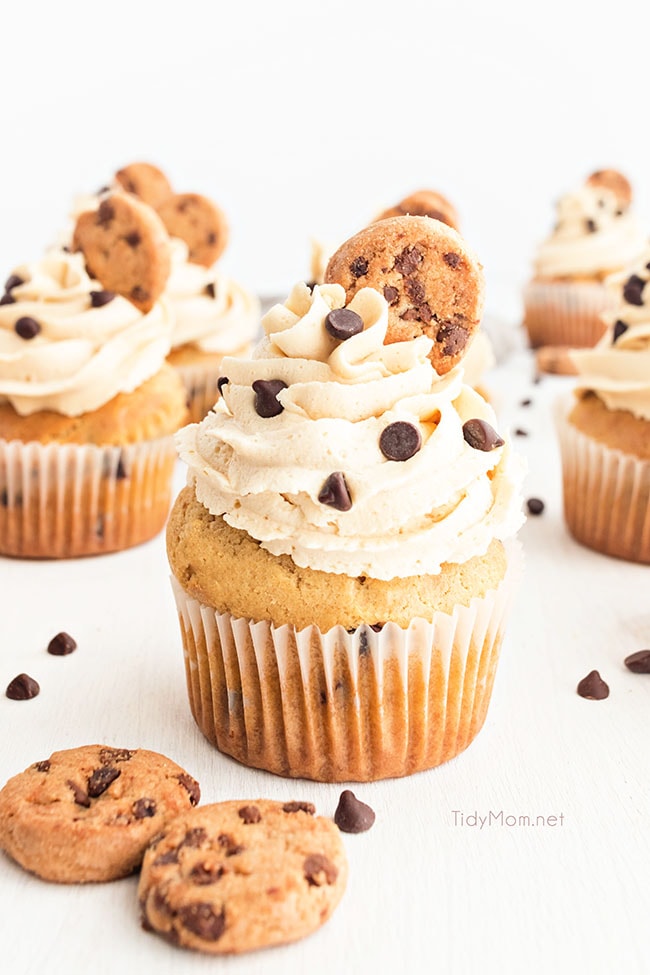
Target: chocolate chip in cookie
x: 145, y: 181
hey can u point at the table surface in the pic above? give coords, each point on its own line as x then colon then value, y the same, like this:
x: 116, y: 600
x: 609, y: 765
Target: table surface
x: 430, y: 888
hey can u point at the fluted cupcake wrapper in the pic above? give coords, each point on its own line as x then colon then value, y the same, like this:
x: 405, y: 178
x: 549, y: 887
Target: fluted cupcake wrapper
x: 344, y: 706
x: 558, y: 313
x: 67, y: 500
x: 606, y: 493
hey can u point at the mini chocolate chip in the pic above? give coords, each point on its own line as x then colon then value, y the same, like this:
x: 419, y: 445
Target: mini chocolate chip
x: 593, y: 687
x: 192, y: 787
x: 266, y: 392
x: 100, y: 779
x: 481, y: 436
x: 105, y: 213
x: 633, y: 290
x: 408, y: 261
x: 212, y: 237
x: 203, y: 875
x: 359, y: 267
x: 250, y: 814
x: 100, y: 298
x: 133, y: 239
x: 22, y: 688
x: 352, y: 815
x: 232, y: 849
x: 363, y: 642
x: 526, y: 402
x: 453, y: 336
x: 319, y: 870
x: 221, y: 382
x: 211, y: 290
x: 619, y: 212
x: 335, y: 493
x: 519, y: 432
x: 109, y: 755
x: 410, y: 315
x: 7, y: 299
x: 591, y: 226
x: 171, y: 856
x: 139, y: 293
x: 27, y: 327
x: 639, y: 662
x: 535, y: 506
x: 4, y: 498
x: 296, y: 806
x: 144, y: 808
x: 61, y: 645
x: 452, y: 259
x: 400, y: 440
x: 415, y: 290
x: 620, y: 328
x: 343, y: 323
x: 311, y: 284
x: 194, y: 837
x: 377, y: 627
x: 13, y: 281
x: 120, y: 471
x: 537, y: 378
x: 390, y: 294
x: 202, y: 921
x: 43, y: 766
x: 80, y: 797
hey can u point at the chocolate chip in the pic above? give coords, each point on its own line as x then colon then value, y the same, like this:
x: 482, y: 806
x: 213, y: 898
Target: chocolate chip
x: 359, y: 267
x: 591, y: 226
x: 292, y: 807
x: 639, y: 662
x: 221, y: 382
x: 535, y: 506
x: 593, y: 687
x: 114, y: 755
x: 171, y: 856
x: 133, y: 239
x: 144, y: 808
x: 194, y: 837
x: 232, y: 849
x: 7, y: 300
x: 390, y: 294
x: 363, y: 643
x: 266, y: 392
x: 352, y: 815
x: 203, y: 875
x: 22, y: 688
x: 343, y: 323
x: 453, y: 336
x: 211, y: 290
x: 408, y: 261
x: 400, y: 440
x: 620, y: 328
x: 139, y: 293
x: 202, y: 921
x: 120, y: 471
x: 80, y: 797
x: 13, y: 281
x: 61, y: 645
x: 192, y: 787
x: 250, y: 814
x: 105, y: 213
x: 100, y: 779
x: 481, y: 436
x: 27, y: 327
x: 526, y: 402
x: 410, y: 315
x: 619, y: 212
x: 319, y: 870
x: 335, y: 493
x: 519, y: 432
x: 377, y: 627
x: 415, y: 290
x: 100, y: 298
x: 633, y: 290
x: 452, y: 259
x: 212, y: 237
x: 43, y: 766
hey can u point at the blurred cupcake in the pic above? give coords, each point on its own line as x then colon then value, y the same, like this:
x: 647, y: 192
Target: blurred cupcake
x: 595, y: 235
x: 605, y: 432
x: 87, y: 403
x: 424, y: 203
x: 338, y: 555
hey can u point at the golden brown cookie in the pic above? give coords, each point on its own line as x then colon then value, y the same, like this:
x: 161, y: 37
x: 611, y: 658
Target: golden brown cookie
x: 145, y: 181
x: 236, y: 876
x: 555, y: 359
x: 199, y: 222
x: 612, y: 180
x: 431, y: 280
x: 424, y: 203
x: 88, y: 814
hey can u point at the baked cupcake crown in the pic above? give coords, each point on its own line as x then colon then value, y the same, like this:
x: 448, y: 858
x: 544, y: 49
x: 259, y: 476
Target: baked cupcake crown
x: 424, y: 203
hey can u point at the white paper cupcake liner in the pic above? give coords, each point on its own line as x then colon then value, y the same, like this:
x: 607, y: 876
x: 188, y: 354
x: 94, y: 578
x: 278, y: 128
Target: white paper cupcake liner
x: 67, y: 500
x: 559, y: 313
x: 339, y: 706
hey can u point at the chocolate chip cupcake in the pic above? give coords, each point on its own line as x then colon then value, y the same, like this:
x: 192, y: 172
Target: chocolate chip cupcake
x: 596, y: 235
x: 338, y: 555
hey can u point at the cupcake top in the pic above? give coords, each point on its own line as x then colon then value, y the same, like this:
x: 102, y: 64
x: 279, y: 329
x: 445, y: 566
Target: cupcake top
x: 617, y: 370
x: 595, y: 232
x: 350, y: 455
x: 68, y: 345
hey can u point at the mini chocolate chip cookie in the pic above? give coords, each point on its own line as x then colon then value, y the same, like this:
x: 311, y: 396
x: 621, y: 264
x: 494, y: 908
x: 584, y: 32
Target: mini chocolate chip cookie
x: 88, y: 814
x: 145, y: 181
x: 424, y: 203
x: 612, y: 180
x: 236, y: 876
x: 431, y: 280
x: 199, y: 222
x: 126, y: 248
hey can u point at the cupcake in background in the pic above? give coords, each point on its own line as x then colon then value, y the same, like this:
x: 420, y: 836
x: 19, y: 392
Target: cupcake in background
x: 424, y: 203
x: 88, y: 404
x: 605, y: 430
x: 596, y: 234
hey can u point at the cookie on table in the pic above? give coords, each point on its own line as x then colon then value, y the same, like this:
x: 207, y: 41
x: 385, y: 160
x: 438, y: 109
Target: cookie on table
x: 235, y: 876
x: 145, y: 181
x: 611, y: 179
x: 199, y: 222
x: 126, y: 248
x: 430, y: 278
x: 88, y: 814
x: 424, y: 203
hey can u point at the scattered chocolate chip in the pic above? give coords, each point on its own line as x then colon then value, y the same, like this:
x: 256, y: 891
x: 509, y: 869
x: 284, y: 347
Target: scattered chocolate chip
x: 211, y: 290
x: 335, y: 493
x: 114, y: 755
x: 363, y: 642
x: 639, y: 662
x: 27, y: 327
x: 120, y: 471
x: 221, y: 382
x: 203, y: 875
x: 619, y: 212
x: 408, y: 261
x: 194, y: 837
x: 319, y: 870
x: 100, y: 298
x: 481, y: 436
x: 537, y: 378
x: 343, y: 323
x: 390, y: 294
x: 593, y: 687
x: 453, y: 336
x: 212, y: 237
x: 352, y: 815
x: 100, y: 779
x: 526, y: 402
x: 620, y: 328
x: 535, y: 506
x: 633, y: 290
x: 22, y: 688
x: 377, y: 627
x: 144, y: 808
x: 410, y: 315
x: 400, y: 440
x: 13, y: 281
x: 43, y: 766
x: 202, y: 921
x: 295, y: 806
x: 192, y: 787
x: 80, y: 797
x: 105, y: 213
x: 311, y: 284
x: 359, y: 267
x: 138, y: 293
x: 4, y: 498
x: 415, y: 290
x: 232, y: 849
x: 519, y: 432
x: 591, y: 226
x: 171, y: 856
x: 453, y: 260
x: 250, y: 814
x: 133, y: 239
x: 266, y: 392
x: 7, y: 299
x: 61, y: 645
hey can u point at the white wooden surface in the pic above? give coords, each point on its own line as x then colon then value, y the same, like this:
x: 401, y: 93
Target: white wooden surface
x: 425, y: 893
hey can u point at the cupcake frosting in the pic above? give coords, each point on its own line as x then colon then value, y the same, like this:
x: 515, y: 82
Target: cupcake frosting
x: 269, y: 475
x: 593, y: 235
x: 85, y: 349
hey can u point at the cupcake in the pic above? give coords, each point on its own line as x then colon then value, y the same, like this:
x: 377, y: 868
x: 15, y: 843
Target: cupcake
x: 605, y: 432
x: 595, y: 235
x: 340, y: 555
x: 424, y: 203
x: 88, y: 405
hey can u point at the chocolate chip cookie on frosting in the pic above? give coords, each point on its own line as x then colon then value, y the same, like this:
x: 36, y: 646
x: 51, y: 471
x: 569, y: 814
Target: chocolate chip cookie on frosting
x: 596, y: 235
x: 338, y: 554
